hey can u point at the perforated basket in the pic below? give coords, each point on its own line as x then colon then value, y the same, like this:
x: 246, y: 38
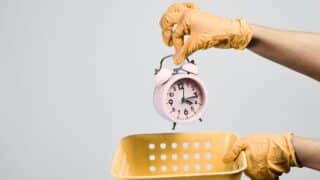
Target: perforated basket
x: 177, y: 156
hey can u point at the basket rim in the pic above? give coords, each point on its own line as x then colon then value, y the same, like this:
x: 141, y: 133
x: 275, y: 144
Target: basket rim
x: 180, y: 133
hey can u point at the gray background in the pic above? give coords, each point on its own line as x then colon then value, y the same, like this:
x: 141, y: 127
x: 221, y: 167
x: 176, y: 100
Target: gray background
x: 77, y: 75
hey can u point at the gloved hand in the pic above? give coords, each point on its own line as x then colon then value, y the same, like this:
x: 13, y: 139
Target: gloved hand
x: 205, y: 30
x: 268, y: 156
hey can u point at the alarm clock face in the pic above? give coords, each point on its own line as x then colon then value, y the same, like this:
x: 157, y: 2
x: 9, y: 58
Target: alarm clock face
x: 184, y: 99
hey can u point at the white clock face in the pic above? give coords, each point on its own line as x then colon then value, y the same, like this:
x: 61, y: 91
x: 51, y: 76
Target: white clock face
x: 184, y: 99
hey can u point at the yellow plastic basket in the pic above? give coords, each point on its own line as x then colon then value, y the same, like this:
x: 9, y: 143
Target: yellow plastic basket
x: 177, y: 156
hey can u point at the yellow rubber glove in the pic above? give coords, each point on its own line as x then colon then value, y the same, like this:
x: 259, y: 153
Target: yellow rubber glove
x: 205, y: 30
x: 268, y: 156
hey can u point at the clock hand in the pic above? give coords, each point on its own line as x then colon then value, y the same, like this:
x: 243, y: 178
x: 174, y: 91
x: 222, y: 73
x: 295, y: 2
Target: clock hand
x: 183, y: 93
x: 183, y: 99
x: 187, y: 101
x: 192, y: 97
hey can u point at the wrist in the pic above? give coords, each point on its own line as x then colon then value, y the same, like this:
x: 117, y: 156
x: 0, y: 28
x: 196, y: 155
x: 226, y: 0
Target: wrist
x: 258, y: 35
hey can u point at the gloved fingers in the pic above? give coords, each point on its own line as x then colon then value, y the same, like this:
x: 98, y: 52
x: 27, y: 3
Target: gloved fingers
x: 178, y: 36
x: 171, y: 17
x: 166, y: 37
x: 190, y: 46
x: 267, y: 178
x: 184, y: 52
x: 258, y: 170
x: 235, y: 151
x: 277, y: 178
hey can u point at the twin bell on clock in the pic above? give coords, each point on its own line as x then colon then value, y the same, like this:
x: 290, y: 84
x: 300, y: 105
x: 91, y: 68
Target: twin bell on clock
x: 179, y: 95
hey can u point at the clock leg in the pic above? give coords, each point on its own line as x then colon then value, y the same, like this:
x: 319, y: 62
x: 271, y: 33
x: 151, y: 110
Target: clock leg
x: 200, y: 119
x: 174, y: 126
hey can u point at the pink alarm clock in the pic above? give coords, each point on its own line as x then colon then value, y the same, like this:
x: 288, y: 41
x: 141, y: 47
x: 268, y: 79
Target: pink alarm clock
x: 179, y: 95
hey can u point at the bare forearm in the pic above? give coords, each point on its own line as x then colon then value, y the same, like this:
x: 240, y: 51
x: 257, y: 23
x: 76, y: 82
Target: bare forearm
x: 297, y: 50
x: 307, y: 151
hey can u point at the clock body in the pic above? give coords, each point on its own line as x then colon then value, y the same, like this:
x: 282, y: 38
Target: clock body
x: 181, y: 99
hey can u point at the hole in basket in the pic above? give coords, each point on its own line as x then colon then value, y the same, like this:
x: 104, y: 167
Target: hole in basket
x: 196, y: 144
x: 208, y: 155
x: 174, y: 145
x: 209, y: 167
x: 175, y: 168
x: 185, y: 145
x: 152, y: 157
x: 185, y: 156
x: 152, y: 168
x: 152, y: 146
x: 163, y: 168
x: 186, y: 167
x: 163, y: 157
x: 197, y: 155
x: 197, y: 167
x: 174, y: 156
x: 163, y: 145
x: 208, y: 144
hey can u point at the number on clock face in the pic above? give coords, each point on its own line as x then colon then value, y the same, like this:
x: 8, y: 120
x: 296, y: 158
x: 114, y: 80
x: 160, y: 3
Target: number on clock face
x: 184, y: 99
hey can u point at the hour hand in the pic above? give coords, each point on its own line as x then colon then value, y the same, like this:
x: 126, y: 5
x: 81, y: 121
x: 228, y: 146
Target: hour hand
x: 187, y: 101
x: 192, y: 97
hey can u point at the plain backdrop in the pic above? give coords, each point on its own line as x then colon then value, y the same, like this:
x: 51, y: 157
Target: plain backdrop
x: 77, y: 75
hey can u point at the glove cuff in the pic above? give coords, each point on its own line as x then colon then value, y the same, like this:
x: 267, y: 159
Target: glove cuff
x: 242, y: 39
x: 293, y: 159
x: 285, y: 158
